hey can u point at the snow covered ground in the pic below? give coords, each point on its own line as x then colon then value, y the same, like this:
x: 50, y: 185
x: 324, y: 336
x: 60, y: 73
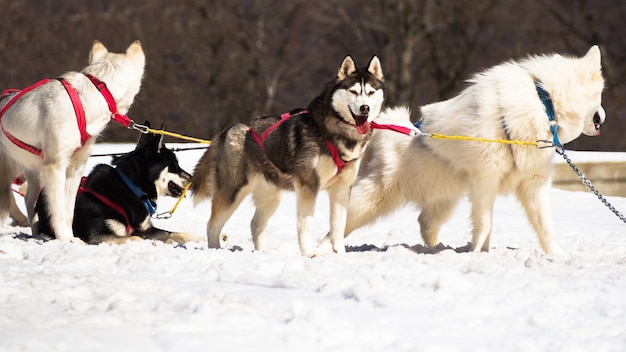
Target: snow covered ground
x: 389, y: 293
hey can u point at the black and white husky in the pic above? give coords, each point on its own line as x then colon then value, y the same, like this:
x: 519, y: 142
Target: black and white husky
x: 115, y: 204
x: 306, y: 151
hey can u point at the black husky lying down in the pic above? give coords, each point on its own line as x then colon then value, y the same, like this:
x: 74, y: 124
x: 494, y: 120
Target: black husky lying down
x: 114, y: 204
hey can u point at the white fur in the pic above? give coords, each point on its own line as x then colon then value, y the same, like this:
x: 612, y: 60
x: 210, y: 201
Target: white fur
x: 162, y: 183
x: 266, y: 195
x: 45, y: 118
x: 348, y: 102
x: 436, y: 173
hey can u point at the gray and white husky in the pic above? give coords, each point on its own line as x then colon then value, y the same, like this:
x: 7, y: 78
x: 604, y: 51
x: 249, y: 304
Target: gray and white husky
x: 319, y: 148
x: 48, y: 130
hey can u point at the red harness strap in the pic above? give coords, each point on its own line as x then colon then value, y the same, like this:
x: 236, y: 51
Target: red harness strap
x: 106, y: 201
x: 395, y: 128
x: 76, y: 103
x: 334, y: 153
x: 78, y: 110
x: 260, y: 138
x: 12, y: 138
x: 116, y: 116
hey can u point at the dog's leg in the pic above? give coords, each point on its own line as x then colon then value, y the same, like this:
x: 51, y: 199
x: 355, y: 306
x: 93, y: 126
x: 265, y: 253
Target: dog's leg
x: 534, y: 195
x: 306, y: 198
x: 368, y: 202
x: 16, y: 214
x: 339, y: 198
x: 482, y: 196
x: 6, y: 203
x: 266, y: 200
x: 72, y: 182
x: 53, y: 181
x: 221, y: 210
x: 30, y: 200
x: 5, y: 187
x: 432, y: 217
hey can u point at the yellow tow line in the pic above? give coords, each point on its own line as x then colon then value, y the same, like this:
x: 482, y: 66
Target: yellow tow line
x: 168, y: 214
x: 146, y: 129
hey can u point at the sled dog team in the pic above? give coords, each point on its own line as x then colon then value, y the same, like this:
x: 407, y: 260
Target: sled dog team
x: 339, y: 143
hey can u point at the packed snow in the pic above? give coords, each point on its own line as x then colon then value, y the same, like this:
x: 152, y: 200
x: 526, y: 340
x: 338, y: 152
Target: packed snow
x: 388, y: 293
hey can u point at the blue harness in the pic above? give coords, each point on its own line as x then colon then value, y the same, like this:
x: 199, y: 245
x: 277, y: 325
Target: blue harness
x: 148, y: 203
x: 547, y: 102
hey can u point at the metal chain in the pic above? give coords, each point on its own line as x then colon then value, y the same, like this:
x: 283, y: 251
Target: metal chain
x: 586, y: 182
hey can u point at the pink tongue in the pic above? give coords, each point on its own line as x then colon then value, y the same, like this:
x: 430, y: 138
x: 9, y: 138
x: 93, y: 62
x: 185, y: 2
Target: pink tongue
x: 362, y: 125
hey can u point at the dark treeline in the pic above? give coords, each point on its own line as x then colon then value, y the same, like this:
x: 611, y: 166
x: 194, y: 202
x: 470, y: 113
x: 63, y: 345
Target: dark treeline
x: 214, y: 62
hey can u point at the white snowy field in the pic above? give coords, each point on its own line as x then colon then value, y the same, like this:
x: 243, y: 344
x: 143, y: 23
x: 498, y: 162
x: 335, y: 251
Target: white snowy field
x: 388, y: 293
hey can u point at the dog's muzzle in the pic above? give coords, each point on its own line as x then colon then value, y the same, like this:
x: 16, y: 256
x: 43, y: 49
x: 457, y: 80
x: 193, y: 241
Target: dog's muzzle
x: 360, y: 121
x: 598, y: 119
x: 174, y: 189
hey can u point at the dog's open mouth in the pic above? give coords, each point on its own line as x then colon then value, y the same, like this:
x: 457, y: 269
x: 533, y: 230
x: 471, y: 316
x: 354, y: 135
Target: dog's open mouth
x: 174, y: 189
x: 361, y: 124
x: 598, y: 119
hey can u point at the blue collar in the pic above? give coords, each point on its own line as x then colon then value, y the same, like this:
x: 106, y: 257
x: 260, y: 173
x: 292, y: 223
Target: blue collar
x: 150, y: 205
x: 547, y: 102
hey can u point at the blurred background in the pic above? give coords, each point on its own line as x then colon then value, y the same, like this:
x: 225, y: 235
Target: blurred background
x: 215, y: 62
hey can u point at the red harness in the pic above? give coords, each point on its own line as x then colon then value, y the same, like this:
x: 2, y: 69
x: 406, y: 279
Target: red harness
x: 106, y: 201
x: 76, y: 103
x: 260, y: 138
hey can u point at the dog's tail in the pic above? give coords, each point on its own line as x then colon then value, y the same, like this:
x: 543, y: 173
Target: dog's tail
x: 203, y: 179
x: 216, y: 167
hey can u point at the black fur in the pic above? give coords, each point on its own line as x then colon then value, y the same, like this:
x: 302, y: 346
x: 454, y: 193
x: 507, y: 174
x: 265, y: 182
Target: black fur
x: 293, y: 156
x: 142, y: 166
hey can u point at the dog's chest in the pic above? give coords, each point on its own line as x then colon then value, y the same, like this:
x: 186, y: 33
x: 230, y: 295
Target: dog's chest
x: 351, y: 150
x: 145, y: 224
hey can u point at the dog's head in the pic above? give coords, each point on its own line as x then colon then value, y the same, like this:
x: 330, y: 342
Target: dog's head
x: 575, y: 86
x: 590, y: 76
x: 122, y: 72
x: 359, y: 94
x: 158, y: 165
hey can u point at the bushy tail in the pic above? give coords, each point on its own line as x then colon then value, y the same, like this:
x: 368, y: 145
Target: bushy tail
x: 203, y: 179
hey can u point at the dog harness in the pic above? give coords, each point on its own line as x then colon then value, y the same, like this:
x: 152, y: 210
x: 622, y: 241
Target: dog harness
x: 544, y: 96
x: 260, y: 138
x: 148, y: 203
x: 76, y: 103
x: 106, y: 201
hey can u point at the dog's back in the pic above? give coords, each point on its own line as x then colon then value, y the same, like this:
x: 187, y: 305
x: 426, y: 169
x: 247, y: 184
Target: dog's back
x: 58, y: 120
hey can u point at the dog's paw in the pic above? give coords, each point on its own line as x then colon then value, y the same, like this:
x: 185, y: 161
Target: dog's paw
x: 180, y: 238
x: 324, y: 247
x: 74, y: 240
x: 339, y: 249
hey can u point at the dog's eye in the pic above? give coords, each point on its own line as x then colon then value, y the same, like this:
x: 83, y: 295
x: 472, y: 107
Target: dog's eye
x: 353, y: 91
x: 370, y: 92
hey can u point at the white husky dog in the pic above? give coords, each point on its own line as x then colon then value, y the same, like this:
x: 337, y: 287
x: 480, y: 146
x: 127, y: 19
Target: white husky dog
x: 500, y: 103
x: 48, y: 130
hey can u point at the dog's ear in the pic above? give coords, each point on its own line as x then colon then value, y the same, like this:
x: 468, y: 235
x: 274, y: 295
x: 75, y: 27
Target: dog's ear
x: 160, y: 145
x: 135, y: 53
x: 347, y: 68
x: 144, y: 138
x: 375, y: 68
x: 593, y: 57
x: 98, y: 51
